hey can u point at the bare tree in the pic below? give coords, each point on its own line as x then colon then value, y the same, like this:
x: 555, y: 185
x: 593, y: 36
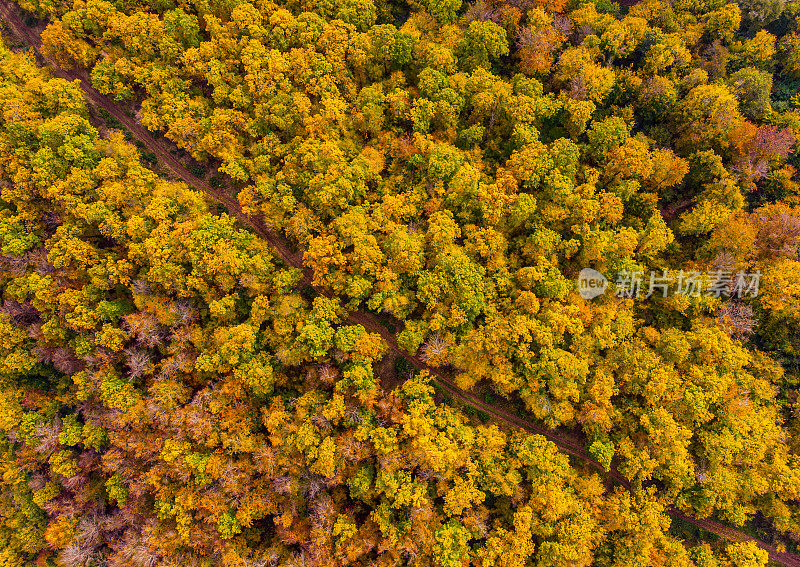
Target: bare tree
x: 183, y: 311
x: 37, y: 481
x: 353, y: 415
x: 768, y: 143
x: 562, y: 24
x: 19, y: 312
x: 38, y: 259
x: 145, y: 328
x: 328, y: 374
x: 434, y: 350
x: 737, y: 320
x: 778, y: 232
x: 76, y: 555
x: 47, y: 435
x: 314, y: 483
x: 577, y: 88
x: 283, y: 484
x: 89, y: 531
x: 140, y: 287
x: 135, y: 552
x: 723, y: 260
x: 322, y: 424
x: 481, y: 11
x: 138, y: 363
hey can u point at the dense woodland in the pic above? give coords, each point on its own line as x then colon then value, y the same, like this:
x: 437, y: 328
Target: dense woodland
x: 173, y: 393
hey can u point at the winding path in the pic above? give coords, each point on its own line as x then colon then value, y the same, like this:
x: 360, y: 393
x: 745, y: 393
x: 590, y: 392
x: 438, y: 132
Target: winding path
x: 565, y: 441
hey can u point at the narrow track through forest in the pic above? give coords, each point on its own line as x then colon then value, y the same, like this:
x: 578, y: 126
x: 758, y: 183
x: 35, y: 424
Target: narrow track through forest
x: 567, y: 442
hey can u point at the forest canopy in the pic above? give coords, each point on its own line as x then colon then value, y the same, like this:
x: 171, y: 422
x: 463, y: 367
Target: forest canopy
x: 315, y: 372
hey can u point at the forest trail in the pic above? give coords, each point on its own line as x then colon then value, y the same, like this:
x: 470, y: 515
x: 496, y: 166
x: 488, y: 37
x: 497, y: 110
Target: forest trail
x: 567, y: 442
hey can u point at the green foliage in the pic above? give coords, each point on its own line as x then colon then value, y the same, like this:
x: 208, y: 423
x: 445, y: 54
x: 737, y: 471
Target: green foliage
x: 443, y: 10
x: 227, y: 525
x: 16, y: 240
x: 483, y: 43
x: 451, y: 544
x: 603, y: 452
x: 752, y: 88
x: 117, y: 490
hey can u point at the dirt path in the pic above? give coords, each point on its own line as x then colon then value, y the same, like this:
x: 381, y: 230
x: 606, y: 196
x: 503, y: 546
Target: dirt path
x: 568, y: 442
x: 781, y: 557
